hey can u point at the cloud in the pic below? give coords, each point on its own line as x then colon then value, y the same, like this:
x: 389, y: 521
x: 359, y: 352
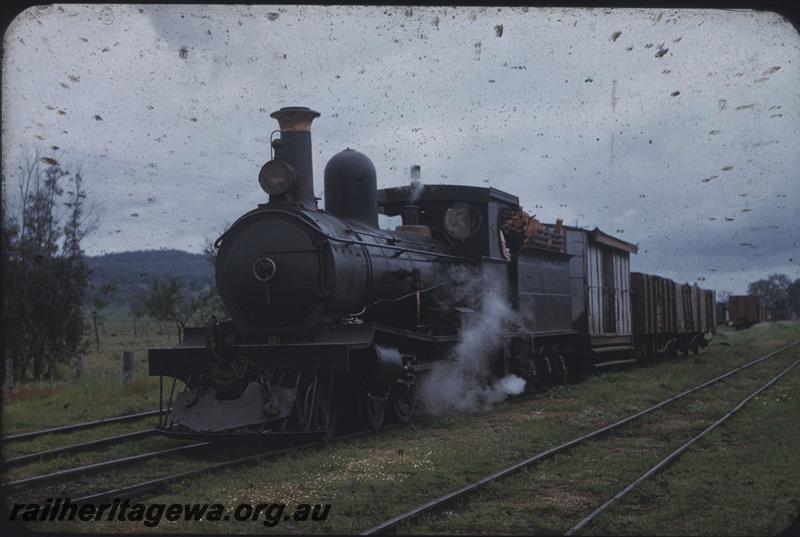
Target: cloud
x: 576, y: 124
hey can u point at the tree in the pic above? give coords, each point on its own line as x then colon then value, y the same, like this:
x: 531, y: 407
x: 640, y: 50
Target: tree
x: 204, y: 305
x: 210, y: 253
x: 139, y: 313
x: 45, y: 275
x: 793, y: 296
x: 210, y: 303
x: 168, y: 301
x: 100, y: 299
x: 210, y: 249
x: 772, y: 291
x: 165, y: 302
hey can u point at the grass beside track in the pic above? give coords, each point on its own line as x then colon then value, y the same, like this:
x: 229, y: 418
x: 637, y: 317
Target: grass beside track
x: 370, y: 479
x: 100, y: 394
x: 553, y: 496
x: 743, y: 479
x: 38, y: 405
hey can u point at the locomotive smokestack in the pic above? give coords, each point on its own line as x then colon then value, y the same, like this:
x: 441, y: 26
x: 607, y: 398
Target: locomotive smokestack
x: 295, y: 150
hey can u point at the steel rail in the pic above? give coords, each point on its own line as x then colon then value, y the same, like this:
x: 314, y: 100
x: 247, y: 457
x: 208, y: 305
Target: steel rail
x: 449, y: 497
x: 675, y: 454
x: 157, y: 483
x: 84, y: 425
x: 22, y: 459
x: 30, y: 482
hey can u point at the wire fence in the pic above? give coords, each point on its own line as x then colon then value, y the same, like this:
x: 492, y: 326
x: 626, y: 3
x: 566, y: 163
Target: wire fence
x: 136, y: 326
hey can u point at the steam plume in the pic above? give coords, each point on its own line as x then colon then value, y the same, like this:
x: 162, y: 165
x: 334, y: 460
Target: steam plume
x: 416, y: 184
x: 465, y: 383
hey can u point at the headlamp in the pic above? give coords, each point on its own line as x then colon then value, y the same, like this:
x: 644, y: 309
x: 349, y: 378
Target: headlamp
x: 276, y: 177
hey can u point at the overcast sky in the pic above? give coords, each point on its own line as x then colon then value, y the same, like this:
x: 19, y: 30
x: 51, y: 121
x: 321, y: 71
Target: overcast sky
x: 675, y: 130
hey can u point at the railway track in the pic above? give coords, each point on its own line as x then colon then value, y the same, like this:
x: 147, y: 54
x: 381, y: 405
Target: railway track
x: 80, y: 426
x: 79, y: 472
x: 156, y: 484
x: 676, y: 453
x: 60, y: 475
x: 89, y: 445
x: 437, y: 503
x: 153, y: 485
x: 82, y: 446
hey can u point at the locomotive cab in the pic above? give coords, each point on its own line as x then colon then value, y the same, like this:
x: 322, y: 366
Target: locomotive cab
x: 466, y: 217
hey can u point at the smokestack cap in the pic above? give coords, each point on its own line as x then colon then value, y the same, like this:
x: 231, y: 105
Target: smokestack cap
x: 295, y: 118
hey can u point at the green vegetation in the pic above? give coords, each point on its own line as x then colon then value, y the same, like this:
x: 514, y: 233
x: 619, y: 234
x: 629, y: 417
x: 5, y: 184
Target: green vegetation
x: 100, y: 393
x: 552, y: 497
x: 750, y: 465
x: 44, y: 272
x: 740, y: 480
x: 167, y: 301
x: 778, y: 293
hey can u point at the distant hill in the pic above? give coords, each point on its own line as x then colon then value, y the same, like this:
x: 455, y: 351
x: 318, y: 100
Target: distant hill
x: 132, y: 272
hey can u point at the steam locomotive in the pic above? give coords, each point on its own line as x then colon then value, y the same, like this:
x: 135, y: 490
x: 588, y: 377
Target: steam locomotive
x: 335, y: 320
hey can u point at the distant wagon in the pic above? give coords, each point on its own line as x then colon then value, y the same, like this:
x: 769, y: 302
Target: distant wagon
x: 669, y: 316
x: 744, y: 311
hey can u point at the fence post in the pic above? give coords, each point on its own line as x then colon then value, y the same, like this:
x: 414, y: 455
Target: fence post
x: 79, y: 363
x: 8, y: 379
x: 96, y: 333
x: 127, y: 366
